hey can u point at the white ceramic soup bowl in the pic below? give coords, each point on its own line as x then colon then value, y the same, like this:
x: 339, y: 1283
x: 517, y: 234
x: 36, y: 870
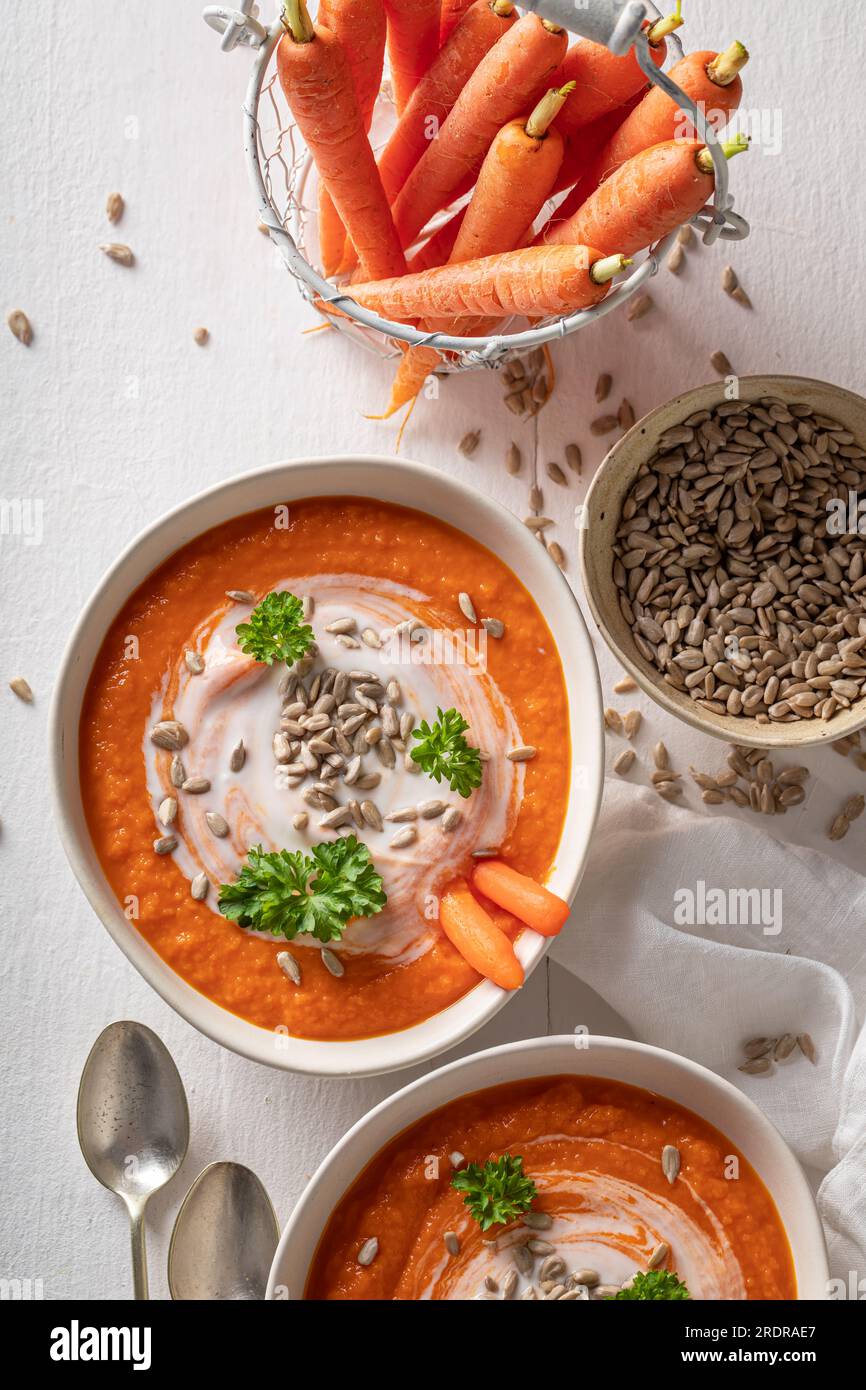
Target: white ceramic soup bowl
x: 389, y: 480
x: 651, y: 1068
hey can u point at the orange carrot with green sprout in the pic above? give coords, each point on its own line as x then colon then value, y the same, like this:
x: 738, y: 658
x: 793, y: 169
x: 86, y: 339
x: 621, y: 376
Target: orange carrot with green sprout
x: 647, y: 198
x: 603, y: 81
x: 536, y: 281
x: 528, y: 901
x: 360, y: 27
x: 710, y: 79
x: 317, y: 82
x: 413, y: 42
x: 518, y: 174
x: 498, y: 90
x: 481, y: 943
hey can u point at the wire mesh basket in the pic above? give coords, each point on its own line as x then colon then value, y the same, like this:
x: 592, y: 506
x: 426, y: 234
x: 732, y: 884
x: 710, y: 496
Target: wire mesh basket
x: 284, y: 182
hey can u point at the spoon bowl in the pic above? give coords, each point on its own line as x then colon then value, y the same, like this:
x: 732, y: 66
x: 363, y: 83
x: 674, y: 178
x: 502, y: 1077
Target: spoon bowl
x: 224, y: 1238
x: 133, y: 1123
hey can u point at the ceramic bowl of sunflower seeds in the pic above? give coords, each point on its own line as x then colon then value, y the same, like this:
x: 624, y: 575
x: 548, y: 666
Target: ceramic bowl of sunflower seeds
x: 723, y: 549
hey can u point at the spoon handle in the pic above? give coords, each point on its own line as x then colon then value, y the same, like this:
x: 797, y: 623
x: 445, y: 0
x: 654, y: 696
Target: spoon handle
x: 139, y: 1253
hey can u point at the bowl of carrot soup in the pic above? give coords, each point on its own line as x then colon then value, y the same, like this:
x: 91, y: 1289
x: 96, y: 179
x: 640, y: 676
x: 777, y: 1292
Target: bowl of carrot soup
x: 567, y: 1169
x: 321, y: 765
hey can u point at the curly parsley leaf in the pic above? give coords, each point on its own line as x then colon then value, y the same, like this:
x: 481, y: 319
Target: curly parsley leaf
x: 276, y: 630
x: 655, y: 1284
x: 496, y: 1191
x: 442, y: 751
x: 289, y: 892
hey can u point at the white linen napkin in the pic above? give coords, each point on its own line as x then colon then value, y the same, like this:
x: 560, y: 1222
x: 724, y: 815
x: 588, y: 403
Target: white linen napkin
x: 702, y: 990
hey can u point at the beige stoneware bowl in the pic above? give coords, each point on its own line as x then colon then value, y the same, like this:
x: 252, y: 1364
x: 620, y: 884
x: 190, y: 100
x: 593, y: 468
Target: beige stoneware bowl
x: 600, y: 521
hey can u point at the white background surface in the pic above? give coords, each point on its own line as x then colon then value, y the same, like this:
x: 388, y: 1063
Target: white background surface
x: 114, y: 415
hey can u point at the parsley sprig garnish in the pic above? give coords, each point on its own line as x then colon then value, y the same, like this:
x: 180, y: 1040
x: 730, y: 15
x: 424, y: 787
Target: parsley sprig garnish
x: 655, y: 1284
x: 497, y: 1191
x: 442, y: 751
x: 276, y: 630
x: 288, y: 892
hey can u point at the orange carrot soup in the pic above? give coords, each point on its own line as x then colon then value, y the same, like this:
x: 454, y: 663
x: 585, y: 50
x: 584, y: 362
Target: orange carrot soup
x: 601, y: 1189
x: 254, y: 793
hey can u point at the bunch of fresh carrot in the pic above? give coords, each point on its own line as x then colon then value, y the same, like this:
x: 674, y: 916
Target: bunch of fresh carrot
x: 497, y: 119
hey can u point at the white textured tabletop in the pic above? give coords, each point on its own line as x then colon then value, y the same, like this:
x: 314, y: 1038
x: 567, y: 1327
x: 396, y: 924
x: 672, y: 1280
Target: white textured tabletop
x: 114, y: 414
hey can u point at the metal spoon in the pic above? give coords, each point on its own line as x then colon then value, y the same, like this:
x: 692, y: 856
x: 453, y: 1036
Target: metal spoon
x: 133, y: 1123
x: 224, y: 1238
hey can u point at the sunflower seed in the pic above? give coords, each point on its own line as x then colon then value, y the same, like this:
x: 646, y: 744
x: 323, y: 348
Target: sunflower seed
x: 537, y: 523
x: 406, y: 813
x: 624, y: 762
x: 522, y: 754
x: 756, y: 1066
x: 557, y: 554
x: 759, y: 1047
x: 237, y: 757
x: 201, y: 336
x: 639, y: 307
x: 334, y: 819
x: 20, y: 687
x: 721, y: 363
x: 114, y: 206
x: 602, y: 387
x: 537, y: 1220
x: 807, y: 1047
x: 661, y: 756
x: 195, y: 785
x: 589, y: 1278
x: 626, y: 415
x: 784, y: 1047
x: 333, y: 964
x: 494, y: 626
x: 404, y: 838
x: 604, y: 424
x: 216, y: 824
x: 177, y: 772
x: 371, y: 815
x: 729, y: 279
x: 167, y: 812
x: 451, y: 819
x: 165, y: 844
x: 300, y: 820
x: 370, y: 1249
x: 168, y: 734
x: 659, y: 1255
x: 556, y: 475
x: 240, y: 595
x: 631, y: 723
x: 469, y: 443
x: 289, y: 966
x: 540, y: 1247
x: 522, y: 1259
x: 671, y: 1163
x: 116, y: 251
x: 194, y: 662
x: 429, y: 810
x: 613, y: 721
x: 452, y: 1243
x: 574, y: 458
x: 513, y: 459
x: 509, y: 1284
x: 20, y: 327
x: 467, y: 607
x: 199, y: 886
x: 676, y: 260
x: 685, y: 235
